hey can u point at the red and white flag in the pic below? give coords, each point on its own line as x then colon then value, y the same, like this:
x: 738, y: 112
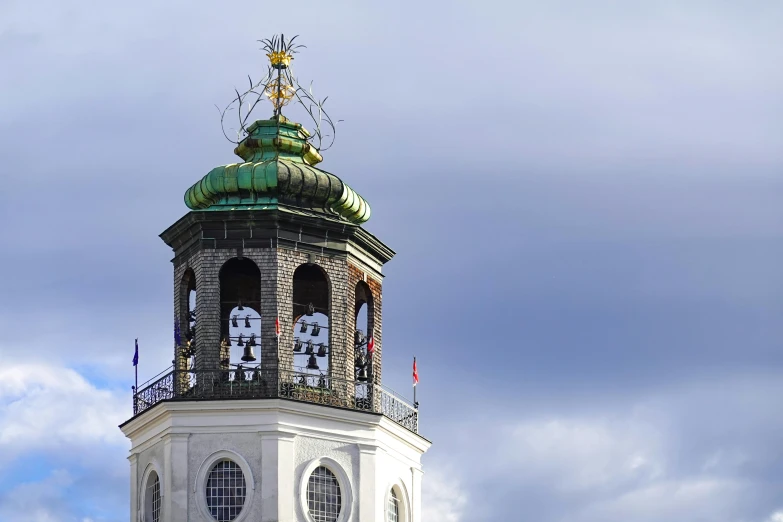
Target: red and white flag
x: 415, y: 373
x: 277, y: 326
x: 371, y: 346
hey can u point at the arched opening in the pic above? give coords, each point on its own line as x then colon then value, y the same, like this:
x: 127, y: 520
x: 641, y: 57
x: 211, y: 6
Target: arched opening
x: 363, y: 341
x: 188, y: 323
x: 240, y: 312
x: 312, y: 339
x: 244, y: 332
x: 185, y: 328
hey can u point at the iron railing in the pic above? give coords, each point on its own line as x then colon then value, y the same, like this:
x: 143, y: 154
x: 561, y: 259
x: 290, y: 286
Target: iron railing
x: 255, y: 383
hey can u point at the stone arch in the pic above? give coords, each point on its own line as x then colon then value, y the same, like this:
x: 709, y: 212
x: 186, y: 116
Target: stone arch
x: 240, y: 289
x: 364, y: 304
x: 311, y: 303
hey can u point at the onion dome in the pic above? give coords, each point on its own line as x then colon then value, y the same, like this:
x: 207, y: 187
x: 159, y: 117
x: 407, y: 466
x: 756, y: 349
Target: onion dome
x: 278, y: 172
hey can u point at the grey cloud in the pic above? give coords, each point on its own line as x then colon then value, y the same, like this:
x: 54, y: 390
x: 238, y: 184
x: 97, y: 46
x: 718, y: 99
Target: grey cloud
x: 583, y: 197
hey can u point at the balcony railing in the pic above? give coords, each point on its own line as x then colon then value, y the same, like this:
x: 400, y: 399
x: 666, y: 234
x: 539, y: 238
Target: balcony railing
x: 254, y: 383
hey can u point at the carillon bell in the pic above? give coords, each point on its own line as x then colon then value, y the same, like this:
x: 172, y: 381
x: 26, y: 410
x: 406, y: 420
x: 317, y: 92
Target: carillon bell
x: 248, y: 356
x: 234, y: 322
x: 239, y: 306
x: 309, y: 349
x: 310, y: 310
x: 316, y: 330
x: 322, y: 381
x: 226, y: 341
x: 297, y: 344
x: 312, y: 363
x: 192, y: 314
x: 247, y: 321
x: 358, y: 338
x: 303, y: 329
x: 241, y: 341
x: 321, y: 350
x: 362, y: 374
x: 252, y: 340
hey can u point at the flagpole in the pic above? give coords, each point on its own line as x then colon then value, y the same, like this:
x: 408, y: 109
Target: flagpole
x: 136, y: 377
x: 414, y: 384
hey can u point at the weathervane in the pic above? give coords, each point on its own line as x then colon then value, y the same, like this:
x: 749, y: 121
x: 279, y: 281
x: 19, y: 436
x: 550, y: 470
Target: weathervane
x: 280, y: 86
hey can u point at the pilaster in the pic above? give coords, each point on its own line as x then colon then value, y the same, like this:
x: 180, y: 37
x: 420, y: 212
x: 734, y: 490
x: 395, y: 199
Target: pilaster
x: 277, y: 476
x: 134, y: 481
x: 370, y: 495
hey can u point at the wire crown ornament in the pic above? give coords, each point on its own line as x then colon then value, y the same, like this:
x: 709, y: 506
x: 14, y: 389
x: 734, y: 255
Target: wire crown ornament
x: 280, y: 86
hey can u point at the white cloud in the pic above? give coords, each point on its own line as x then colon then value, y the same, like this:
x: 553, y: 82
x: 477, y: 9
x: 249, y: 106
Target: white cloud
x: 37, y: 402
x: 64, y: 428
x: 443, y: 497
x: 777, y: 516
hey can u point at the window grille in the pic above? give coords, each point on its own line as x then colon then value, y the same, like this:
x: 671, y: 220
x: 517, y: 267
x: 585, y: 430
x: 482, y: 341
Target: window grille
x: 153, y: 490
x: 226, y: 491
x: 393, y: 509
x: 323, y: 495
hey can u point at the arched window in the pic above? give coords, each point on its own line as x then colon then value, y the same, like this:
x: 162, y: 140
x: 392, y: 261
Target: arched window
x: 324, y: 499
x: 226, y: 491
x: 312, y: 337
x: 240, y: 311
x: 393, y: 507
x: 152, y: 501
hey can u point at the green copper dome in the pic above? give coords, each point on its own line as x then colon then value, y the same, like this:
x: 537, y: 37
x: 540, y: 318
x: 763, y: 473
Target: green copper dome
x: 278, y: 171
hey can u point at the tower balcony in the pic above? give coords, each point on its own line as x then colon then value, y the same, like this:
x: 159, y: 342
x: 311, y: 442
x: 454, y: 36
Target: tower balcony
x: 256, y: 383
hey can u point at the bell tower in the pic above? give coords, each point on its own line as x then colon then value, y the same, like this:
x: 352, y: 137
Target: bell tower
x: 274, y: 409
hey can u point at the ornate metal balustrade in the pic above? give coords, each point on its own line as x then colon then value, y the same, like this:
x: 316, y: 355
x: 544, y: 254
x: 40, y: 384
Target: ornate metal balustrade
x: 255, y: 383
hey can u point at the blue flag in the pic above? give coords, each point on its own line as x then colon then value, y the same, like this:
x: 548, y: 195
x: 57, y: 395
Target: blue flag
x: 177, y: 335
x: 136, y: 354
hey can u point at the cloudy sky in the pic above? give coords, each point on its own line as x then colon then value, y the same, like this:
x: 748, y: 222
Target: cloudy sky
x: 584, y: 198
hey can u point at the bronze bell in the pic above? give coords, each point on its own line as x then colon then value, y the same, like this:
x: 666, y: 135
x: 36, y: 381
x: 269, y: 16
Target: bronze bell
x: 316, y: 330
x: 310, y: 310
x: 321, y: 350
x: 247, y: 321
x: 234, y: 321
x: 241, y: 341
x: 362, y: 375
x: 312, y: 363
x: 239, y: 306
x: 358, y: 338
x: 322, y: 381
x: 248, y: 356
x: 303, y: 329
x: 309, y: 349
x: 253, y: 340
x: 297, y: 344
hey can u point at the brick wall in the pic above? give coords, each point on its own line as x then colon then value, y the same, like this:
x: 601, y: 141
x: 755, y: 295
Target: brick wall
x: 277, y: 264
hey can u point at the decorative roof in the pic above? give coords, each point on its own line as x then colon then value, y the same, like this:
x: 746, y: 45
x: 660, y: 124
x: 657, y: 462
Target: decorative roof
x: 278, y: 171
x: 279, y: 160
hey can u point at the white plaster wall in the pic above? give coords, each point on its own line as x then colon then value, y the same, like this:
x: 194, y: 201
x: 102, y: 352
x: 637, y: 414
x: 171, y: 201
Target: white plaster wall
x: 278, y: 440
